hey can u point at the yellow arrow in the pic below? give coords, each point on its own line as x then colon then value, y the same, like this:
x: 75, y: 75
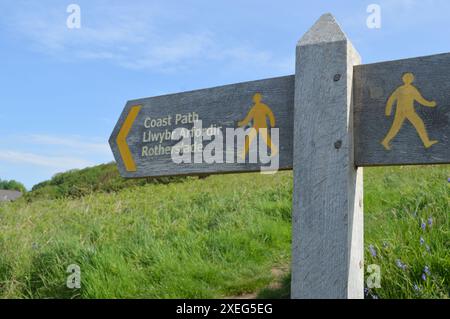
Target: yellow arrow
x: 121, y: 140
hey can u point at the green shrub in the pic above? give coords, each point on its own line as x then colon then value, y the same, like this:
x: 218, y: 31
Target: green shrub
x: 79, y: 183
x: 12, y: 185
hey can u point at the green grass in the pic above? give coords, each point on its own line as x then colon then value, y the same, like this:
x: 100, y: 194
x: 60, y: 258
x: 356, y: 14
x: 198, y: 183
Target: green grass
x: 397, y: 202
x: 198, y: 239
x: 216, y: 237
x: 78, y: 183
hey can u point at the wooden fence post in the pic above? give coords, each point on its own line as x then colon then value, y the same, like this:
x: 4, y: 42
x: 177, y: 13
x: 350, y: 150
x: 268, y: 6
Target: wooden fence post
x: 327, y: 260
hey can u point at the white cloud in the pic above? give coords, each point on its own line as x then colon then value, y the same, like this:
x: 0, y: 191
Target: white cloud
x: 53, y: 153
x: 178, y: 52
x: 56, y: 163
x: 131, y: 37
x: 73, y: 143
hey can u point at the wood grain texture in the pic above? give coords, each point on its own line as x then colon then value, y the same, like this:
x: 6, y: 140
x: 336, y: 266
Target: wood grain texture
x: 223, y: 106
x: 327, y: 226
x: 374, y: 83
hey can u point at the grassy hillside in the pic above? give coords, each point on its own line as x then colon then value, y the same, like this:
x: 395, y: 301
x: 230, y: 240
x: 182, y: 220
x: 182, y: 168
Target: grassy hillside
x: 221, y: 236
x: 78, y: 183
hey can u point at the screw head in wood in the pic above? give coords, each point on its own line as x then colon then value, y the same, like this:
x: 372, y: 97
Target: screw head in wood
x: 338, y: 144
x: 337, y: 77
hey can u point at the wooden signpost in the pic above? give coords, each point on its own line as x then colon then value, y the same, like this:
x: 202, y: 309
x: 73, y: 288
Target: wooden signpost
x: 326, y: 122
x: 408, y: 103
x: 141, y: 141
x: 327, y: 239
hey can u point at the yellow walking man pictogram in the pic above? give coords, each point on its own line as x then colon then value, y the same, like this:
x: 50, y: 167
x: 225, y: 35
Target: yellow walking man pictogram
x: 405, y: 96
x: 258, y: 114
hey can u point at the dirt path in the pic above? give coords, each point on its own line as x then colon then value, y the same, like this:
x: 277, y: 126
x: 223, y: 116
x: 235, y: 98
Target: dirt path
x: 278, y: 274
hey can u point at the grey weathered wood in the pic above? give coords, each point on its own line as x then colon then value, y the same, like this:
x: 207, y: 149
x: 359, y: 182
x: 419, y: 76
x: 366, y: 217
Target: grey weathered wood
x: 327, y: 260
x: 374, y: 83
x: 223, y: 106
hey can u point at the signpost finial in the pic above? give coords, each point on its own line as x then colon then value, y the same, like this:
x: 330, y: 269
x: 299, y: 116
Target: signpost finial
x: 325, y: 30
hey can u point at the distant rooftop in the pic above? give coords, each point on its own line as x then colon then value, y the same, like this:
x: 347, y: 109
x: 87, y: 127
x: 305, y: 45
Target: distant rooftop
x: 6, y: 196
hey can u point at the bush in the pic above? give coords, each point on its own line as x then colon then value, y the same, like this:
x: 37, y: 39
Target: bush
x: 79, y: 183
x: 12, y: 185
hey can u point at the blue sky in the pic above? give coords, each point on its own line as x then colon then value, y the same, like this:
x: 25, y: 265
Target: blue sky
x: 63, y: 89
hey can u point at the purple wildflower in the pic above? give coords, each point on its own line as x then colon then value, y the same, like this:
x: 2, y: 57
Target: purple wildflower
x: 373, y: 251
x: 400, y: 265
x: 422, y: 241
x: 424, y: 277
x: 448, y: 180
x: 427, y: 271
x: 430, y: 221
x: 416, y: 288
x: 423, y: 226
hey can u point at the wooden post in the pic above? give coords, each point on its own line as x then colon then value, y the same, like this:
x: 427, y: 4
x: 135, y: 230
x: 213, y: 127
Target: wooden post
x: 327, y: 259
